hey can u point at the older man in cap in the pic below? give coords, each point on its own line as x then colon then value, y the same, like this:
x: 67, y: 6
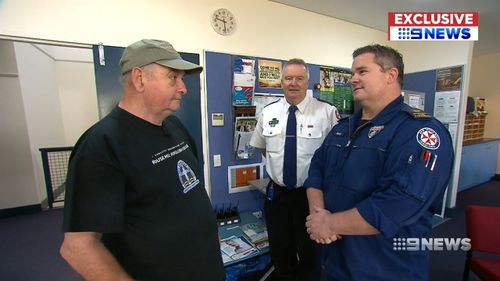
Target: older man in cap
x: 135, y: 206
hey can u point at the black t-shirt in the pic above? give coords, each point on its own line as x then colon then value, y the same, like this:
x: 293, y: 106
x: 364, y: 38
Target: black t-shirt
x: 139, y: 184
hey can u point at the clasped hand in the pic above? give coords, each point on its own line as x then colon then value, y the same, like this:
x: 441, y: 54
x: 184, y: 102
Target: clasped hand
x: 319, y: 227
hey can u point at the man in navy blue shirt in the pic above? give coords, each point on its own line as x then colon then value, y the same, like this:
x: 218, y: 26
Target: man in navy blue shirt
x: 378, y: 178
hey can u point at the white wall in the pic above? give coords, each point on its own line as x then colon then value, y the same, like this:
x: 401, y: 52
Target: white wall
x: 8, y: 65
x: 42, y: 108
x: 425, y: 55
x: 47, y: 103
x: 484, y: 83
x: 78, y: 97
x: 264, y: 29
x: 17, y: 179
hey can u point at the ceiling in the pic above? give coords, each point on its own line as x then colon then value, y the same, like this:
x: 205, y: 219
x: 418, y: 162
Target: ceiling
x: 373, y: 14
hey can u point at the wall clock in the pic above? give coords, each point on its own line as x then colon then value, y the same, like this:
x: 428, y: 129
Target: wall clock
x: 223, y: 21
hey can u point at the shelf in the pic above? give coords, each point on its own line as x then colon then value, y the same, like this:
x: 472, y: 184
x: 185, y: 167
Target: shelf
x: 474, y: 126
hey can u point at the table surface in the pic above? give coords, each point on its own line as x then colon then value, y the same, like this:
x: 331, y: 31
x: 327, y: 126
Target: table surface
x: 235, y: 229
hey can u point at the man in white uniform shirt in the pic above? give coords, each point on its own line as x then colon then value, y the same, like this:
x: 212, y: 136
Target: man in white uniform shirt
x: 295, y: 256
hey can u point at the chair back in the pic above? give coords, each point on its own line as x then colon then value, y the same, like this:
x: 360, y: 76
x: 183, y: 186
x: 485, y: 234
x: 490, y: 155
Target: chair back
x: 483, y: 228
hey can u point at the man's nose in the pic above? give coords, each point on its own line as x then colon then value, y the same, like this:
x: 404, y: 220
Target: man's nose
x: 354, y: 78
x: 182, y: 87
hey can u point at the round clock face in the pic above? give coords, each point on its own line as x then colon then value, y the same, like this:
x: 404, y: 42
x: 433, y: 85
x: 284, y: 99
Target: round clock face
x: 223, y: 21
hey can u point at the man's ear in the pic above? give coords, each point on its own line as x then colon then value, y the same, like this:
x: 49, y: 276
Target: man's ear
x: 136, y: 77
x: 392, y: 76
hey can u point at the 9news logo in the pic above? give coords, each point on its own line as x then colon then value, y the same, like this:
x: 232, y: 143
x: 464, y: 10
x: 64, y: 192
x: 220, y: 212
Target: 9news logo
x: 431, y: 244
x: 433, y: 26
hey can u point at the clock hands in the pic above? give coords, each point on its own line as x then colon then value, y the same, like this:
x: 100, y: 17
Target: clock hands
x: 223, y: 22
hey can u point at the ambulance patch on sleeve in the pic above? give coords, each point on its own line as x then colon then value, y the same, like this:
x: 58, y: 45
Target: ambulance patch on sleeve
x: 428, y: 138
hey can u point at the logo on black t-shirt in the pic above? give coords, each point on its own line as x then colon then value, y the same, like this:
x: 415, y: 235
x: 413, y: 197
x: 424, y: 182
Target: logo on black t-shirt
x: 187, y: 178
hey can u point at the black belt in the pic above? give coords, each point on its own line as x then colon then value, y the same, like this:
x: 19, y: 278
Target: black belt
x: 274, y: 190
x: 281, y: 187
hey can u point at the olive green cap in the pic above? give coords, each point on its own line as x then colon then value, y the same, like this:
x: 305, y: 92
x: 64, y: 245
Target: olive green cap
x: 148, y: 51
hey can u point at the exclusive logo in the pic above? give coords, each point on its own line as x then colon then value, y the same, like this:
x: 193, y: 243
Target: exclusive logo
x: 433, y: 26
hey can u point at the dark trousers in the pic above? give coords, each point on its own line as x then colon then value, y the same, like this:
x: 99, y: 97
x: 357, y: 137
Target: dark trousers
x: 295, y: 256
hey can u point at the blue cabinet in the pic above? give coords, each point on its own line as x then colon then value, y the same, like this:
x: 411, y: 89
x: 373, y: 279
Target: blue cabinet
x: 478, y: 163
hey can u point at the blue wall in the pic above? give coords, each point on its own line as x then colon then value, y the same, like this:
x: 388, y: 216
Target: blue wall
x: 425, y: 82
x: 218, y: 69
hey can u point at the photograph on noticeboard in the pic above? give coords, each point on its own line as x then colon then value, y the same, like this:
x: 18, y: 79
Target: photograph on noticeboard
x: 243, y: 131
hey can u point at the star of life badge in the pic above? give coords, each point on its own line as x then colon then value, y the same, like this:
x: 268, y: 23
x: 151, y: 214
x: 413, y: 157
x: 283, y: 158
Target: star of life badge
x: 428, y: 138
x: 374, y: 131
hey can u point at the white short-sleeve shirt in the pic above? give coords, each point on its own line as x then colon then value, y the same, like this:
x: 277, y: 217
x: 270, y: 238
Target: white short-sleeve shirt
x: 314, y: 120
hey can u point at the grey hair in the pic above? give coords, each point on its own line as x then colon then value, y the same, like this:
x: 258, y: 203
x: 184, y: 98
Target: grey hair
x: 297, y: 62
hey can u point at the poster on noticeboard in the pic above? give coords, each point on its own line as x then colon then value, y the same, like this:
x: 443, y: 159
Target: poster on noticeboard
x: 270, y: 74
x: 449, y: 79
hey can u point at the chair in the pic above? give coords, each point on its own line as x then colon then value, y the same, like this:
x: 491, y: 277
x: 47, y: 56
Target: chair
x: 55, y: 166
x: 483, y: 228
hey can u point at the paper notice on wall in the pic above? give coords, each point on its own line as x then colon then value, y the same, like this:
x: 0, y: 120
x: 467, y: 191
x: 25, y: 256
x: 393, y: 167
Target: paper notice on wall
x: 446, y: 106
x: 244, y: 80
x: 260, y: 100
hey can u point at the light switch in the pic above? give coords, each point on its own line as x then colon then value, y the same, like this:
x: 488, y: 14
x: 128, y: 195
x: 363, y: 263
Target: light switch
x: 217, y: 160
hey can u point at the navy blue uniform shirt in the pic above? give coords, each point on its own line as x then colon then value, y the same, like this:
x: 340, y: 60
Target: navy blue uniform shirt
x: 394, y: 169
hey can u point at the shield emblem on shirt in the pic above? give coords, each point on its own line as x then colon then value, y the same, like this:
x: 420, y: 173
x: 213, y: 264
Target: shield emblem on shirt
x: 374, y: 131
x: 187, y: 177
